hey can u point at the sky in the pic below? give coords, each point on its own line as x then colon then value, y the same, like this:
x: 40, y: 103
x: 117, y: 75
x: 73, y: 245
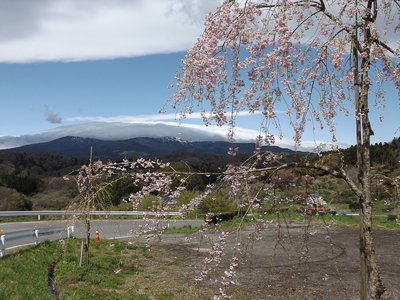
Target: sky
x: 101, y: 69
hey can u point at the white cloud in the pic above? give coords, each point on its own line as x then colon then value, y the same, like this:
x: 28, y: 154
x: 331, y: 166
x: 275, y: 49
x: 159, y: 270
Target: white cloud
x: 74, y: 30
x: 149, y: 118
x: 131, y: 119
x: 122, y: 131
x: 51, y: 116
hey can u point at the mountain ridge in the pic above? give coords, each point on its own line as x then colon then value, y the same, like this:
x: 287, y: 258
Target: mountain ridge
x: 74, y: 146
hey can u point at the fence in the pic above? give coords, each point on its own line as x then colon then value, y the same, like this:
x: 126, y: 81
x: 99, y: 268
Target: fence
x: 26, y: 234
x: 70, y: 212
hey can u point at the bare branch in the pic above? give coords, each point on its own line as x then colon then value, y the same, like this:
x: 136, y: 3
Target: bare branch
x: 384, y: 45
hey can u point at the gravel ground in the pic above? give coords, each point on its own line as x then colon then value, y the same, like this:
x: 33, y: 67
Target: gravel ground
x: 275, y: 270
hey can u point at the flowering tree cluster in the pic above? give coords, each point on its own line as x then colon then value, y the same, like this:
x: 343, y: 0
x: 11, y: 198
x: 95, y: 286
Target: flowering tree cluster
x: 316, y: 58
x: 256, y: 55
x: 156, y: 179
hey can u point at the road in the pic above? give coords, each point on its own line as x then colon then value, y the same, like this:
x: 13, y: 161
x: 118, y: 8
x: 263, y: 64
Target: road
x: 108, y: 229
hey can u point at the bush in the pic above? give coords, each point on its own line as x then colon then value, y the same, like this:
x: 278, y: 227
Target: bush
x: 392, y: 217
x: 23, y: 184
x: 12, y: 200
x: 148, y: 203
x: 217, y: 202
x: 221, y: 217
x: 354, y: 205
x: 185, y: 197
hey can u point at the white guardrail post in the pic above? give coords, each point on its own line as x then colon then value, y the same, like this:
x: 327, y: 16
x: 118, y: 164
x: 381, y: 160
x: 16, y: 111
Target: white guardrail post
x: 2, y: 244
x: 70, y: 231
x: 35, y: 233
x: 40, y: 213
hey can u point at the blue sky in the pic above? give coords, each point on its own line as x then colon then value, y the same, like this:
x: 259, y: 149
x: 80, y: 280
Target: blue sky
x: 41, y: 92
x: 70, y: 62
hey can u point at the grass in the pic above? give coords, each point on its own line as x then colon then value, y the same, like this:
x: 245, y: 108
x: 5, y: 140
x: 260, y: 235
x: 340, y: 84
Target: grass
x: 30, y: 218
x: 293, y: 216
x: 341, y: 206
x: 116, y: 267
x: 183, y: 229
x: 379, y: 207
x: 32, y: 265
x: 110, y: 263
x: 118, y: 270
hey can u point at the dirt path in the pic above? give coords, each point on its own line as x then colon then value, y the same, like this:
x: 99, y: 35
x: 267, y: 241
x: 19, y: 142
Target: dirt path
x: 326, y: 267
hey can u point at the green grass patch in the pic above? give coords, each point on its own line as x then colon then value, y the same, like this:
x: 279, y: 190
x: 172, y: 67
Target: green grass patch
x: 114, y: 265
x: 143, y: 297
x: 13, y: 219
x: 32, y: 266
x: 341, y: 206
x: 112, y: 273
x: 293, y: 216
x: 110, y: 264
x: 165, y: 296
x: 379, y: 207
x: 184, y: 229
x: 147, y: 255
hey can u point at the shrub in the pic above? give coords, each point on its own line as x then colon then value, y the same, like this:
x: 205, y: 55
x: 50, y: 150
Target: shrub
x: 354, y: 205
x: 216, y: 202
x: 185, y: 197
x: 221, y: 217
x: 392, y: 217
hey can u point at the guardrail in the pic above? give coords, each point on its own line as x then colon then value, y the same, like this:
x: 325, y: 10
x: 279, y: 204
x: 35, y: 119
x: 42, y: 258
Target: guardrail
x: 33, y: 233
x: 70, y: 212
x: 19, y: 235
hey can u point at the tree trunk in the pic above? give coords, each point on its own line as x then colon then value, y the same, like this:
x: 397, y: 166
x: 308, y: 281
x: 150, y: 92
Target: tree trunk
x: 371, y: 285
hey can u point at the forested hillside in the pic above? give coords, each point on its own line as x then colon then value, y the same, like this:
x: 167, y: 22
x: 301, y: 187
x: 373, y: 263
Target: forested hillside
x: 35, y: 180
x: 381, y: 153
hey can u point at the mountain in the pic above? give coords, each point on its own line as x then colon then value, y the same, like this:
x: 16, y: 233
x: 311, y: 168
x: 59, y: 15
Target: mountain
x: 142, y: 146
x: 118, y: 131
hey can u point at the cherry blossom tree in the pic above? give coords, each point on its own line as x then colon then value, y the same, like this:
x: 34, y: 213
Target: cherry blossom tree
x: 318, y: 59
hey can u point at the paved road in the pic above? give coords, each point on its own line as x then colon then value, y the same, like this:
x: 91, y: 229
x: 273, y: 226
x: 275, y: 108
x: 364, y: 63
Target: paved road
x: 108, y: 229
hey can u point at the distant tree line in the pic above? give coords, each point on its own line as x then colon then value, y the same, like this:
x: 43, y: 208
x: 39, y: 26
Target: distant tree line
x: 23, y: 184
x: 381, y: 153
